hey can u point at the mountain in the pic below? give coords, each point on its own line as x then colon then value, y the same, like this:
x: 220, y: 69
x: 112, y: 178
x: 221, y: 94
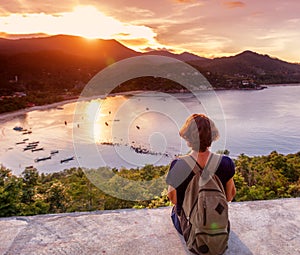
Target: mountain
x: 73, y: 45
x: 185, y: 56
x: 250, y: 63
x: 56, y: 62
x: 251, y: 66
x: 65, y: 62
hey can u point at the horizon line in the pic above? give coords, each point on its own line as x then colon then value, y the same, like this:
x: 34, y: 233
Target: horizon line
x: 14, y: 37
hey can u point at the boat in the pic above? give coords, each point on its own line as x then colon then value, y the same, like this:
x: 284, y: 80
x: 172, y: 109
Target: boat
x: 20, y: 142
x: 54, y: 152
x: 42, y: 159
x: 37, y: 149
x: 33, y: 143
x: 30, y: 147
x: 67, y: 160
x: 27, y: 132
x: 18, y: 128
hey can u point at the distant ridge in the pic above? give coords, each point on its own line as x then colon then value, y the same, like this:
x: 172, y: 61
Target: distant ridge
x: 185, y: 56
x: 64, y: 61
x: 73, y: 45
x: 251, y: 63
x: 97, y: 48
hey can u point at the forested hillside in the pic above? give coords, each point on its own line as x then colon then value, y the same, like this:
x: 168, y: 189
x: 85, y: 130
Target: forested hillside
x: 260, y: 177
x: 51, y: 69
x: 62, y: 62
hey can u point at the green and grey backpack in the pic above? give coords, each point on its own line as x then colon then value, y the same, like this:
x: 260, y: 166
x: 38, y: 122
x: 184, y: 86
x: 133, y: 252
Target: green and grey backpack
x: 204, y: 215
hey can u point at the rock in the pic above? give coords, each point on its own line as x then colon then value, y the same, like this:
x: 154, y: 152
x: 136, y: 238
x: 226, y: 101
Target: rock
x: 257, y: 227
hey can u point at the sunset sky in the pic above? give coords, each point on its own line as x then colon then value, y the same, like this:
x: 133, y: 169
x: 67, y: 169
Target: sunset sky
x: 208, y: 28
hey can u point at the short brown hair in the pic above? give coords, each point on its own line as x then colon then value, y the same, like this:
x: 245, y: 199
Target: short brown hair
x: 199, y: 131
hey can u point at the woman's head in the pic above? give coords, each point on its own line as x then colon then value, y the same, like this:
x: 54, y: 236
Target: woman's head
x: 199, y: 132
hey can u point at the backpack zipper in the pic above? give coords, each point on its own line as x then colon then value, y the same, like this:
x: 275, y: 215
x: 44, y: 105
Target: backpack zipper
x: 204, y: 213
x: 218, y: 234
x: 210, y: 190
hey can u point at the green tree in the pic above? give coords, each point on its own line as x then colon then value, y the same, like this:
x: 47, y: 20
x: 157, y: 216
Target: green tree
x: 10, y: 192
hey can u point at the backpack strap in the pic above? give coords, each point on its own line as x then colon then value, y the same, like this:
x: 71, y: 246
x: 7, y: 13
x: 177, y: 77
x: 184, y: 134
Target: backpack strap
x: 210, y: 168
x: 192, y: 163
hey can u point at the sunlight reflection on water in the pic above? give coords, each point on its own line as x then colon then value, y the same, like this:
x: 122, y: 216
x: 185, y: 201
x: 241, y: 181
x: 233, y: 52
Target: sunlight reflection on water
x: 257, y: 122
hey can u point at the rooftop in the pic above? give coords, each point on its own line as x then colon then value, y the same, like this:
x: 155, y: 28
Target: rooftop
x: 257, y: 227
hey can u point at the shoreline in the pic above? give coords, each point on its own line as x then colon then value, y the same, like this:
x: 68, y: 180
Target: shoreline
x: 138, y: 167
x: 11, y: 115
x: 62, y: 135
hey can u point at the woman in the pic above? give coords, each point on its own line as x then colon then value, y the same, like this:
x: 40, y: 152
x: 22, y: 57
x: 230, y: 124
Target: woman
x: 199, y: 132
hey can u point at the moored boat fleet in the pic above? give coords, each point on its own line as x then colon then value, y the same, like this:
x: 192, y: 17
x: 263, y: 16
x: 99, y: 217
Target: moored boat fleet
x: 34, y: 147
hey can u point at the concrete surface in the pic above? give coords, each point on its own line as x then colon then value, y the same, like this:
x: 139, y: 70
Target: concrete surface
x: 260, y: 227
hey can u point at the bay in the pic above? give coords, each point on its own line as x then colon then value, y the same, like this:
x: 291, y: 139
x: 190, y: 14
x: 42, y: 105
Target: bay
x: 142, y: 128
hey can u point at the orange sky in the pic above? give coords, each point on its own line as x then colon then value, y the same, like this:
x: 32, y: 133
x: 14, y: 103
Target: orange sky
x: 208, y: 28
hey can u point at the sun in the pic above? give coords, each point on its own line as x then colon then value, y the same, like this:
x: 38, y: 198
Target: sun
x: 83, y: 20
x: 89, y: 22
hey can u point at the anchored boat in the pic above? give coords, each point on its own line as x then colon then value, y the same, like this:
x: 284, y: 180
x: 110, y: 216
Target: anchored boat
x: 42, y: 159
x: 67, y: 159
x: 17, y: 128
x: 37, y: 149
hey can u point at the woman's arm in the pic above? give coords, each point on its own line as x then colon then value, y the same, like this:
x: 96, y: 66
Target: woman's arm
x: 172, y: 195
x: 230, y: 190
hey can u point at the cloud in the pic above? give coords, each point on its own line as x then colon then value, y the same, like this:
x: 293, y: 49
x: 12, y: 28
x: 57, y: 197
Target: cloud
x: 199, y: 26
x: 140, y: 12
x: 178, y: 31
x: 294, y: 21
x: 184, y: 1
x: 148, y: 49
x: 208, y: 42
x: 83, y: 21
x: 134, y: 42
x: 29, y: 6
x: 122, y: 34
x: 17, y: 36
x: 234, y: 4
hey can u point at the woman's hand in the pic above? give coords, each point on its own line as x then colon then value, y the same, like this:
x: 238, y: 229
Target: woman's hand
x: 230, y: 190
x: 172, y: 195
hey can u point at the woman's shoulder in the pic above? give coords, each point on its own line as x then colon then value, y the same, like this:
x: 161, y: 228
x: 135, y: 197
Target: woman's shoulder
x: 226, y: 168
x: 226, y: 161
x: 177, y: 163
x: 178, y: 172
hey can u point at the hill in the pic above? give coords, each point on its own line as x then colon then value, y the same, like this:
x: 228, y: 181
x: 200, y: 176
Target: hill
x: 59, y: 63
x: 72, y: 45
x: 185, y: 56
x: 251, y: 62
x: 251, y: 65
x: 55, y: 63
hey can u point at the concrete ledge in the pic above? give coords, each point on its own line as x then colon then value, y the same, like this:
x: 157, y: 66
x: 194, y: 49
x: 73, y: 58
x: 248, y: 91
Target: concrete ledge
x: 260, y: 227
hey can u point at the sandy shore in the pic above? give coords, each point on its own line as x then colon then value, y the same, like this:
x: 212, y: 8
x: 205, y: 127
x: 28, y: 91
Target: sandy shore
x: 11, y: 115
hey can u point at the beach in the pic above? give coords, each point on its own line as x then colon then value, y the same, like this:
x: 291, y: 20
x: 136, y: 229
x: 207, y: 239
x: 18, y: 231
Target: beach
x: 10, y: 115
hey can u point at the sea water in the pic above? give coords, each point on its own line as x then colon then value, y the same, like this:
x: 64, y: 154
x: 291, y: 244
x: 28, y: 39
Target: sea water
x: 142, y: 128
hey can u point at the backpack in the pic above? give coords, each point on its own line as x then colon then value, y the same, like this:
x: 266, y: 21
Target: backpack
x: 204, y: 214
